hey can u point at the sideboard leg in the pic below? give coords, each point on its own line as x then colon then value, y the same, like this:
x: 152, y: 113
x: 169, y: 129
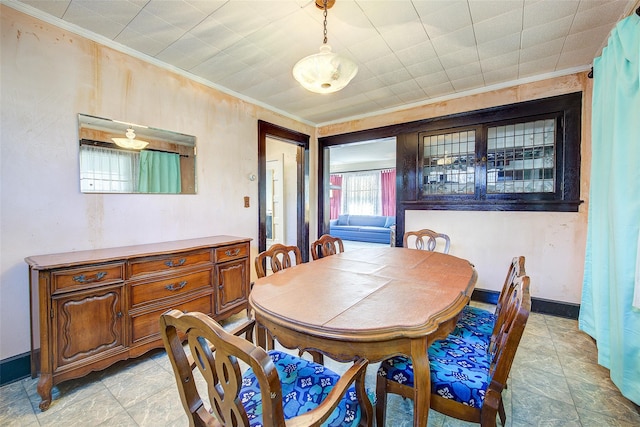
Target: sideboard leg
x: 44, y: 390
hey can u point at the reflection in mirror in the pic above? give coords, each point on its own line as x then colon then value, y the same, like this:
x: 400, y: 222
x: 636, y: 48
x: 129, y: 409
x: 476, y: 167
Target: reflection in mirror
x: 123, y: 157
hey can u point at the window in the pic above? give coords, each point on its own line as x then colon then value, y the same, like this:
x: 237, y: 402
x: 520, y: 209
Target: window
x: 105, y: 170
x: 518, y: 157
x: 363, y: 193
x: 449, y: 163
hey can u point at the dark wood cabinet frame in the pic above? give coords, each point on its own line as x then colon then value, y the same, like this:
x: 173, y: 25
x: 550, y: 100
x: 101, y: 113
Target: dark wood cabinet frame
x: 567, y: 109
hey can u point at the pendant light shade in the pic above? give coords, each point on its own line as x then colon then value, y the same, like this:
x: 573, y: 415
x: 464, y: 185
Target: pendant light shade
x: 130, y: 142
x: 324, y: 72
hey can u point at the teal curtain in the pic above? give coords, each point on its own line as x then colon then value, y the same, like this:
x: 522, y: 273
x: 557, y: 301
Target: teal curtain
x: 607, y: 312
x: 159, y: 172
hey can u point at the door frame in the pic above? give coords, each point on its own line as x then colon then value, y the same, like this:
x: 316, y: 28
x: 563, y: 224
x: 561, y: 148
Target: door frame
x: 301, y: 140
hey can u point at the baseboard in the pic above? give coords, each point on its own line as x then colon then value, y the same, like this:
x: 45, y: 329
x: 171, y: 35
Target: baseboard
x: 15, y: 368
x: 538, y: 305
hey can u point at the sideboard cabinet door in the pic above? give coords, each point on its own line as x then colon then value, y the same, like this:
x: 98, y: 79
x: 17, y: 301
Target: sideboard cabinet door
x: 87, y: 324
x: 232, y: 290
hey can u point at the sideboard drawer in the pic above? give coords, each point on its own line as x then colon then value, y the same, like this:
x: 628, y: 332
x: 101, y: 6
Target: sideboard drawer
x: 89, y: 275
x: 146, y: 325
x: 174, y: 286
x: 229, y: 253
x: 153, y: 265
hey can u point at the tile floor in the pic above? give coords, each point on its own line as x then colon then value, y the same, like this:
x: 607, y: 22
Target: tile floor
x: 554, y: 381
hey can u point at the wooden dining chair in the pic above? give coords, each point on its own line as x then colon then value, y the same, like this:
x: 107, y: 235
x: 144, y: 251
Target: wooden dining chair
x: 476, y: 322
x: 466, y: 380
x: 326, y: 245
x: 427, y: 240
x: 277, y: 387
x: 278, y: 257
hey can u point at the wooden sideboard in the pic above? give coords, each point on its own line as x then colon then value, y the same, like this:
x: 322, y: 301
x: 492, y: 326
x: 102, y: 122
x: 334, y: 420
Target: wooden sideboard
x: 90, y: 309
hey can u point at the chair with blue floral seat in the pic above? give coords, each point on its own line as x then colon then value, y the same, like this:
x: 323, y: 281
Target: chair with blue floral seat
x: 477, y: 323
x: 467, y: 377
x: 427, y: 240
x: 278, y: 389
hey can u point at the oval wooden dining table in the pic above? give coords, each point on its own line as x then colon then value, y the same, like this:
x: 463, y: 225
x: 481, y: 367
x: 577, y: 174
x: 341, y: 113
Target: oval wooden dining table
x: 371, y: 302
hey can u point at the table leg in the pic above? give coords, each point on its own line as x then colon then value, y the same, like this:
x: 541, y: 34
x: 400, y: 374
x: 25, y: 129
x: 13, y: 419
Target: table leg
x: 421, y: 382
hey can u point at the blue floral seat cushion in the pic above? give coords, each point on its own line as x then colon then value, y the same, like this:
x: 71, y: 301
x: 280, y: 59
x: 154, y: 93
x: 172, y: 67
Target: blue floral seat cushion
x: 305, y: 385
x: 475, y: 324
x: 459, y: 370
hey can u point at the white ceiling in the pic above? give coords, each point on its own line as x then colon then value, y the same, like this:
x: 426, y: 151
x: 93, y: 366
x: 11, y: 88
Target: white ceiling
x: 408, y: 52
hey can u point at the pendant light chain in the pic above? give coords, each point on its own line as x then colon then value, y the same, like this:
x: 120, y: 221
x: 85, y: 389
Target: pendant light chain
x: 324, y: 72
x: 325, y: 21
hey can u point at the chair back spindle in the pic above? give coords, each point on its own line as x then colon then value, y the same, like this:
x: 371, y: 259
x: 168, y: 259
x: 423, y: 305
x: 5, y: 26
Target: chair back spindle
x: 507, y: 338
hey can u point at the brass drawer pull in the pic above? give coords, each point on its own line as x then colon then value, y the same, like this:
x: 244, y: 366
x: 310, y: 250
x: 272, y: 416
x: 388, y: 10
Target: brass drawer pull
x: 170, y: 263
x: 84, y: 279
x: 172, y: 287
x: 235, y: 252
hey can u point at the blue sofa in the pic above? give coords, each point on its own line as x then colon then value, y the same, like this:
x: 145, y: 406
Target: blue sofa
x: 363, y: 228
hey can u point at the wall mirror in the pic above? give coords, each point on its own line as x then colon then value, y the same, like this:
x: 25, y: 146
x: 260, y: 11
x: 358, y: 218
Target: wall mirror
x: 122, y: 157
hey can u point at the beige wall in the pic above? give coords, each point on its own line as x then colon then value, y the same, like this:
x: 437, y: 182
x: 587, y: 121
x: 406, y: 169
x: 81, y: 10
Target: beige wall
x: 49, y: 76
x: 552, y: 242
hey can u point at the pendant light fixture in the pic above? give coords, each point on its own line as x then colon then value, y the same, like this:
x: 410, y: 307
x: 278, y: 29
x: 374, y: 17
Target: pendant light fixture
x: 130, y: 142
x: 324, y: 72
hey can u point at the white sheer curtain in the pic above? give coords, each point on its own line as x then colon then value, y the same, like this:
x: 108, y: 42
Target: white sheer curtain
x: 105, y: 170
x: 361, y: 193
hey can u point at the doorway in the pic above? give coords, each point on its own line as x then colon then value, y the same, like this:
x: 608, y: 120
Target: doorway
x: 283, y: 176
x: 275, y: 198
x: 358, y: 182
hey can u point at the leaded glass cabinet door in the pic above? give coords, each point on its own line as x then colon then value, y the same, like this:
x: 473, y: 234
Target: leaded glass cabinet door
x: 521, y: 157
x: 449, y: 162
